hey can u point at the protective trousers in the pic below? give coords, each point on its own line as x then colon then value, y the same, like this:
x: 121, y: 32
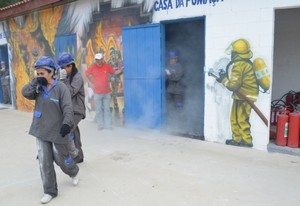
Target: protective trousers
x: 75, y: 146
x: 6, y: 94
x: 49, y: 152
x: 239, y: 119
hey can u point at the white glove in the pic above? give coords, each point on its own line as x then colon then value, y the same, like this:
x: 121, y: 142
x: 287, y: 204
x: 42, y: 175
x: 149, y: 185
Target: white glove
x: 168, y: 72
x: 62, y: 74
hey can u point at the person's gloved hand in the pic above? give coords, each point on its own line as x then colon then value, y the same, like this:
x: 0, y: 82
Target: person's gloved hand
x: 34, y: 82
x: 222, y: 75
x: 65, y: 129
x: 62, y: 74
x: 42, y: 81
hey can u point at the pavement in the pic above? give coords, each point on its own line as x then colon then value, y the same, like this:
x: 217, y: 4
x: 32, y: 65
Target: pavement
x: 127, y: 167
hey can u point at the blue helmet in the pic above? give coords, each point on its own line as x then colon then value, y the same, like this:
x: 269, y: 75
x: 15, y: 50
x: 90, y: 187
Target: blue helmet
x: 173, y: 54
x: 45, y: 62
x: 64, y: 59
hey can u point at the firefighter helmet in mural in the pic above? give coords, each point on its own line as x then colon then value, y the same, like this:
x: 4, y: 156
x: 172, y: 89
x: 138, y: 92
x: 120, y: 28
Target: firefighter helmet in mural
x: 242, y: 48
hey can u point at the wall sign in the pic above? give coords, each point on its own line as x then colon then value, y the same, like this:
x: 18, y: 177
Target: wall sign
x: 161, y: 5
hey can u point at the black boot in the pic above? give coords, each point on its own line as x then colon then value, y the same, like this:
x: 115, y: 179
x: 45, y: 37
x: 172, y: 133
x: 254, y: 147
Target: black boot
x: 245, y: 144
x: 232, y: 142
x: 240, y: 144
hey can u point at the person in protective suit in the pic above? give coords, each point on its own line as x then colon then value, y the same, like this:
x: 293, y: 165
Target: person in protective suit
x: 5, y: 82
x: 51, y: 124
x: 70, y: 75
x: 175, y: 86
x: 242, y: 80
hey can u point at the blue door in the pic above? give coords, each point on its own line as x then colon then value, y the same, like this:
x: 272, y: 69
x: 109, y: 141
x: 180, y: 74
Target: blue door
x: 143, y: 76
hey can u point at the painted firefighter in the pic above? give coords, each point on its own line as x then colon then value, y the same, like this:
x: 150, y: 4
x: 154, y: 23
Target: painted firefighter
x: 240, y: 78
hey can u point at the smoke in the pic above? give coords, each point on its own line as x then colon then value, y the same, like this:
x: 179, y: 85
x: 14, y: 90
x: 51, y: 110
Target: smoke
x: 188, y: 39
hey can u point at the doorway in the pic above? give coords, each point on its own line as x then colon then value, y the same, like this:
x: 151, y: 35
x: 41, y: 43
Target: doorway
x: 4, y: 57
x: 285, y: 83
x: 185, y: 115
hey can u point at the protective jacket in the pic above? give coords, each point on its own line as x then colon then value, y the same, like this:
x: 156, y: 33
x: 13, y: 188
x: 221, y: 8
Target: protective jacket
x: 175, y: 79
x: 4, y: 75
x: 242, y: 78
x: 76, y: 88
x: 53, y: 108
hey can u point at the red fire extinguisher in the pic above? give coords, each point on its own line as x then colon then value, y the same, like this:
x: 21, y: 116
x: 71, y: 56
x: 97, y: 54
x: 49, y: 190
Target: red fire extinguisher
x: 293, y: 134
x: 274, y: 114
x: 289, y: 100
x: 282, y: 129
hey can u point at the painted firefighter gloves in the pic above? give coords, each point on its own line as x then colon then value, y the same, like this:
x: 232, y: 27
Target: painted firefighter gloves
x: 65, y: 129
x: 222, y: 75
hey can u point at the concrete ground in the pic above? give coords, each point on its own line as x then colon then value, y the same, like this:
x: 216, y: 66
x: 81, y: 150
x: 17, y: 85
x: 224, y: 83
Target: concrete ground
x: 127, y: 167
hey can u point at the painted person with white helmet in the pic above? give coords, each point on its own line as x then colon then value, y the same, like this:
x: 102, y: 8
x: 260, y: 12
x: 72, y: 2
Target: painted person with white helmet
x: 97, y: 76
x: 72, y: 78
x: 51, y: 124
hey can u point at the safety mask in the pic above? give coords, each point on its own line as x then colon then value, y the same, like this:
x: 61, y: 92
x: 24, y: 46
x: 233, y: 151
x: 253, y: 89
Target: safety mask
x: 42, y: 81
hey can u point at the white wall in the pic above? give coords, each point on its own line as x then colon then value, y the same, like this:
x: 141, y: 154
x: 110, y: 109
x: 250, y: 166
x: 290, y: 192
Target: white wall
x: 227, y: 21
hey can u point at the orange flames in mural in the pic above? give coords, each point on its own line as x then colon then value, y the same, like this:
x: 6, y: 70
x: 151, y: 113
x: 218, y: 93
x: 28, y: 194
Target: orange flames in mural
x: 99, y: 44
x: 28, y: 43
x: 49, y: 20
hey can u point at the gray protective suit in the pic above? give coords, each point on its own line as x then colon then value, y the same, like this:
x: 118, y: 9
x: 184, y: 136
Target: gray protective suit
x: 53, y: 108
x: 76, y: 88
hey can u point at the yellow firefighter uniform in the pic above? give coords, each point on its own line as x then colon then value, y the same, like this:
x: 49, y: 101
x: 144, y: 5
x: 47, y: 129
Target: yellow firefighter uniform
x: 242, y: 78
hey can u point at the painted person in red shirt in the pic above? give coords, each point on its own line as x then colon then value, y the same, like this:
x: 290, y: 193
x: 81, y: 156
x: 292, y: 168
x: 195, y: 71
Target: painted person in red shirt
x: 97, y: 76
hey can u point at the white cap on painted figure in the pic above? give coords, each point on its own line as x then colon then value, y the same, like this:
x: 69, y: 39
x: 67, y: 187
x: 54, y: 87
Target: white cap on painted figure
x: 99, y: 56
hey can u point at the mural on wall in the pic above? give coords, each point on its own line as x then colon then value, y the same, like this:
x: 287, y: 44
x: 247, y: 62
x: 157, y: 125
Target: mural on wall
x: 106, y: 37
x: 51, y: 31
x: 244, y: 78
x: 107, y: 40
x: 30, y: 37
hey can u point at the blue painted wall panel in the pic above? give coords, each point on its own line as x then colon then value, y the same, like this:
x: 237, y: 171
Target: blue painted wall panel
x: 65, y: 43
